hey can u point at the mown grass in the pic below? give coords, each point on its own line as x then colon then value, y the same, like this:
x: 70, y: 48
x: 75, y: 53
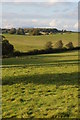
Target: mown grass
x: 41, y: 86
x: 27, y: 43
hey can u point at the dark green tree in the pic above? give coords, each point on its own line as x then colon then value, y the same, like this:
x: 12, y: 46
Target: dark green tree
x: 34, y: 32
x: 12, y: 31
x: 7, y: 48
x: 20, y: 31
x: 58, y: 45
x: 48, y: 45
x: 69, y: 45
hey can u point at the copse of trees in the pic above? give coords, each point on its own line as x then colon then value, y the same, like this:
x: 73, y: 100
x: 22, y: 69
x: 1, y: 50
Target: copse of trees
x: 48, y: 45
x: 3, y: 37
x: 34, y: 32
x: 49, y: 30
x: 58, y: 44
x: 69, y: 45
x: 5, y: 30
x: 12, y: 31
x: 7, y: 48
x: 20, y: 31
x: 26, y: 30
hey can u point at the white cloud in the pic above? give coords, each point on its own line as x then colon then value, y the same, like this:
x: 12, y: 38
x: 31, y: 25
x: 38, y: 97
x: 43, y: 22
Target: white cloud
x: 76, y: 25
x: 6, y: 24
x: 65, y: 26
x: 52, y: 0
x: 60, y: 17
x: 34, y: 20
x: 60, y: 0
x: 53, y: 23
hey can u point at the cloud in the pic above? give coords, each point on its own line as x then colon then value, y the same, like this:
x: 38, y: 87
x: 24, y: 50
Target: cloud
x: 7, y: 25
x: 34, y: 20
x: 53, y: 23
x: 61, y: 0
x: 76, y: 25
x: 58, y: 15
x: 50, y: 1
x: 65, y: 26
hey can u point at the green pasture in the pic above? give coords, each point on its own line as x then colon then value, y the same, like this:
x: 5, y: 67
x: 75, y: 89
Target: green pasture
x: 27, y: 43
x: 40, y: 86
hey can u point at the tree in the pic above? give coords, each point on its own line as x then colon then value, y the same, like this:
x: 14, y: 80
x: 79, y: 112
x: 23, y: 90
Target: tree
x: 49, y: 45
x: 7, y: 48
x: 12, y: 31
x: 69, y: 45
x: 59, y: 44
x: 34, y: 32
x: 20, y: 31
x: 2, y: 37
x: 4, y: 30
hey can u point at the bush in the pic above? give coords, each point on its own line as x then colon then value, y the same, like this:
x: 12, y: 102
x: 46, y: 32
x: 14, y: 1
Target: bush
x: 2, y: 38
x: 17, y: 53
x: 12, y: 31
x: 20, y: 31
x: 59, y: 44
x: 34, y: 32
x: 7, y: 48
x: 69, y: 45
x: 48, y: 45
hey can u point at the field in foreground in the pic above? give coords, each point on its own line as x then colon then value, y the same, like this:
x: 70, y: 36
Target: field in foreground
x: 26, y: 43
x: 42, y: 86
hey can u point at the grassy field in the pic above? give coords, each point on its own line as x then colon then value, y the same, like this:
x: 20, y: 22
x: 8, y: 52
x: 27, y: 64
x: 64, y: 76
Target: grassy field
x: 40, y: 86
x: 26, y: 43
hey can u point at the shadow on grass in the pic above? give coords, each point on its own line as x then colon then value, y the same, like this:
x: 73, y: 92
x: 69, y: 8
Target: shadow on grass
x: 42, y: 63
x: 56, y: 79
x: 59, y: 55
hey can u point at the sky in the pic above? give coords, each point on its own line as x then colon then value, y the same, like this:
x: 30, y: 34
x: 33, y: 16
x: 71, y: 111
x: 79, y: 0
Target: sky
x: 49, y: 14
x: 39, y: 0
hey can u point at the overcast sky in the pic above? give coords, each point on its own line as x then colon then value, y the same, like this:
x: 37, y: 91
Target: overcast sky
x: 61, y: 15
x: 40, y: 0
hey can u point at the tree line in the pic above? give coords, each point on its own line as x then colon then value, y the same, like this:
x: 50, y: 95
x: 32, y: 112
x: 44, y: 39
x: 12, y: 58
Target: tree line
x: 33, y: 31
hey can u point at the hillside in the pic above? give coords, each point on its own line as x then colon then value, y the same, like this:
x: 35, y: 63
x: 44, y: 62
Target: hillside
x: 27, y: 43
